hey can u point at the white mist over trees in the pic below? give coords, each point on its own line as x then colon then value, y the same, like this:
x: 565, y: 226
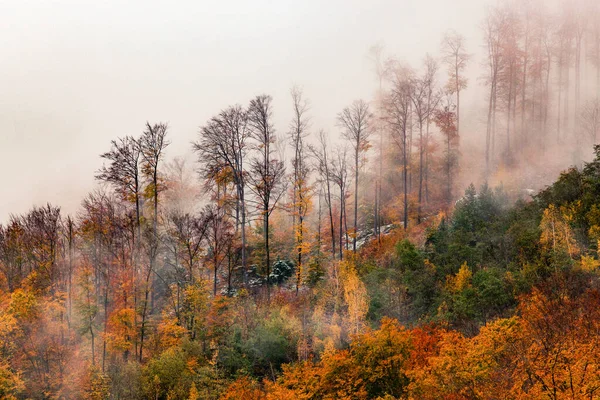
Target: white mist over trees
x: 143, y: 264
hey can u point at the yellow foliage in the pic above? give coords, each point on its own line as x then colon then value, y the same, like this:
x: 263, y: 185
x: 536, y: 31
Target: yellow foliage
x: 589, y: 263
x: 356, y: 297
x: 170, y: 332
x: 556, y: 231
x: 121, y: 329
x: 462, y: 279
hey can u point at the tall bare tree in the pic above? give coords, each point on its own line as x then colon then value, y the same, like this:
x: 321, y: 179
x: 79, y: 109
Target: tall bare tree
x: 301, y: 187
x: 123, y: 172
x: 424, y: 101
x: 356, y: 121
x: 321, y: 154
x: 456, y: 58
x: 266, y: 171
x: 376, y: 56
x: 339, y: 175
x: 223, y: 144
x: 397, y: 115
x: 493, y: 30
x: 152, y: 144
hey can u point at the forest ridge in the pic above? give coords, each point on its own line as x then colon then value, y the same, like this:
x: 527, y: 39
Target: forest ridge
x: 288, y: 264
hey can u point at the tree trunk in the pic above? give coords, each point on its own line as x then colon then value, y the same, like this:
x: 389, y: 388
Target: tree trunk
x: 405, y: 173
x: 420, y: 169
x: 329, y: 205
x: 355, y: 233
x: 243, y: 217
x: 268, y: 255
x: 341, y: 222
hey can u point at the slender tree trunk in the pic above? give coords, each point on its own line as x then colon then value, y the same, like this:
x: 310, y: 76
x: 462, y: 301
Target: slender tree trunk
x: 597, y: 63
x: 420, y: 170
x: 144, y: 315
x: 355, y: 233
x: 299, y: 266
x: 405, y: 176
x: 93, y: 344
x: 346, y: 224
x: 106, y: 291
x: 559, y: 89
x: 341, y: 222
x: 268, y: 255
x: 508, y: 109
x: 524, y: 89
x: 243, y: 218
x: 488, y: 134
x: 427, y: 163
x: 566, y: 102
x: 70, y: 278
x: 329, y: 206
x: 457, y: 96
x: 448, y: 173
x: 215, y: 264
x: 380, y: 183
x: 494, y: 120
x: 409, y: 151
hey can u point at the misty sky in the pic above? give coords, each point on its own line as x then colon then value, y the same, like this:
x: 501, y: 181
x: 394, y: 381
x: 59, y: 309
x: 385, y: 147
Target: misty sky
x: 76, y: 74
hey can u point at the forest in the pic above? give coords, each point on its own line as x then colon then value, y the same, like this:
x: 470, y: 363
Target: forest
x: 390, y: 259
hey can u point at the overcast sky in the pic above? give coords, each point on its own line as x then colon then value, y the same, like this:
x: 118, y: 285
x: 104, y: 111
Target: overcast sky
x: 76, y: 74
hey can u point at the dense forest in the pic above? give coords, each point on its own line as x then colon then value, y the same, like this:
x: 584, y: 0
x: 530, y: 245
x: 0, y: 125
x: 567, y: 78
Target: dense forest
x: 293, y: 263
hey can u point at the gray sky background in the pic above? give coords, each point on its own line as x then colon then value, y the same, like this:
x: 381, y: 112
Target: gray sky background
x: 76, y: 74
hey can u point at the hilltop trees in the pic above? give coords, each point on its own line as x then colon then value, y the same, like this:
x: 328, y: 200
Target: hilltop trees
x: 232, y: 284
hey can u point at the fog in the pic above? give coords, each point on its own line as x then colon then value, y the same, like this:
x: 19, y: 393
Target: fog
x: 76, y: 75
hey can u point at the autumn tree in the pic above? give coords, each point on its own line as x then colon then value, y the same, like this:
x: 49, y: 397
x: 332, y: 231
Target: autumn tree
x: 398, y: 112
x: 224, y: 144
x: 339, y: 175
x: 123, y: 172
x: 323, y: 161
x: 301, y: 189
x: 356, y: 122
x: 456, y: 58
x: 153, y: 143
x: 266, y: 171
x: 445, y: 119
x: 425, y: 100
x: 188, y: 233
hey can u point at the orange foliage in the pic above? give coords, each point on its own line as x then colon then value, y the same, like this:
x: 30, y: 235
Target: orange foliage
x: 244, y: 388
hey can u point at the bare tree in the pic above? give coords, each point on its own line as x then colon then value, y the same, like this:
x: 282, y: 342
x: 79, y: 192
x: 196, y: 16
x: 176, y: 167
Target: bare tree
x: 424, y: 102
x: 266, y: 172
x: 301, y: 187
x: 456, y: 58
x: 223, y: 144
x: 590, y: 122
x: 397, y: 115
x: 339, y: 175
x: 188, y: 233
x: 123, y: 172
x: 321, y: 154
x: 356, y: 120
x: 445, y: 119
x: 376, y: 56
x: 219, y: 238
x: 433, y: 96
x: 493, y: 29
x: 152, y: 144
